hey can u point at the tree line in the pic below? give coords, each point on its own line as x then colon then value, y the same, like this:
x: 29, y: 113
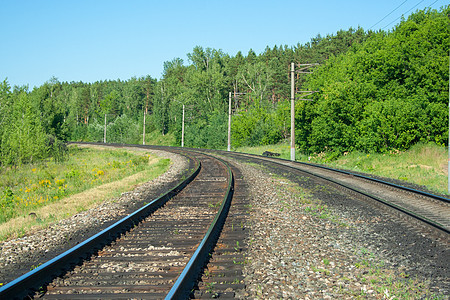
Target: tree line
x: 377, y: 91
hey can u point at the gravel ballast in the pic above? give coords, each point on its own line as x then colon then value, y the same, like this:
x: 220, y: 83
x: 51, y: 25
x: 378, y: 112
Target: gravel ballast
x: 336, y: 247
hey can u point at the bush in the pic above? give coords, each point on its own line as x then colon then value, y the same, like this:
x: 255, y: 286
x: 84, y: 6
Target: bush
x: 57, y: 149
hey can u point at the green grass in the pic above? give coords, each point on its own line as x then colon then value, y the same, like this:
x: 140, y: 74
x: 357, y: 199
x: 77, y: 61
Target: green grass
x: 390, y: 283
x: 26, y: 189
x: 423, y: 164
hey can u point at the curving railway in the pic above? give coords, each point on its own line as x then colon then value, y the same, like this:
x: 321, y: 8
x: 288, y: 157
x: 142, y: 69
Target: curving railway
x: 427, y: 210
x: 192, y: 241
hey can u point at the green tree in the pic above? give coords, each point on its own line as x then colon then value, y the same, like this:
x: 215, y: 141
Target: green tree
x: 388, y: 92
x: 23, y: 139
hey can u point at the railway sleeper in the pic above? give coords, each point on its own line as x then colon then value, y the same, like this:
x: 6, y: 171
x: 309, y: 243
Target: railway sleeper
x: 129, y: 280
x: 153, y: 295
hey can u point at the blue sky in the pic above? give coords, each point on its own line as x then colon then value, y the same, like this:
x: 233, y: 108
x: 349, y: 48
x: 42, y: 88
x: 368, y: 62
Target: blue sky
x: 99, y: 40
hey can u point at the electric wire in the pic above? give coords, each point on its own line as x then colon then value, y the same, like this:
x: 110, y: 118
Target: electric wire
x: 389, y: 14
x: 408, y: 12
x: 402, y: 14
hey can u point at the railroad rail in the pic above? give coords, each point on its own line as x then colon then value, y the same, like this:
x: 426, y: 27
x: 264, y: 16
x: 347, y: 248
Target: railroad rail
x: 158, y: 251
x: 166, y: 248
x: 430, y: 211
x: 223, y: 275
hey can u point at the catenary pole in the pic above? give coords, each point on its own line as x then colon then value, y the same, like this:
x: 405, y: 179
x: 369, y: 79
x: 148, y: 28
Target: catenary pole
x: 292, y: 112
x: 303, y: 68
x: 143, y: 132
x: 229, y: 122
x: 104, y: 133
x: 182, y: 130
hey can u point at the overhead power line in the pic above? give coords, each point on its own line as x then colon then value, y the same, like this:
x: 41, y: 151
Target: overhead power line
x: 407, y: 12
x: 389, y: 14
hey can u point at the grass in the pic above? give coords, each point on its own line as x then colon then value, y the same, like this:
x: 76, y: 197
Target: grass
x: 423, y: 164
x: 34, y: 196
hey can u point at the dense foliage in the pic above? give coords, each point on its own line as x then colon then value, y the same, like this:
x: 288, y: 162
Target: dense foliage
x: 378, y: 91
x: 389, y: 92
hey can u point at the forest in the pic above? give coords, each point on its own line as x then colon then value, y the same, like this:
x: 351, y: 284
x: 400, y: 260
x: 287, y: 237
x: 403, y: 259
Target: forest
x: 377, y: 91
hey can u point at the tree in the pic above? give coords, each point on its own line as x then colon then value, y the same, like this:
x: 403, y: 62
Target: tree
x: 23, y: 139
x: 390, y: 91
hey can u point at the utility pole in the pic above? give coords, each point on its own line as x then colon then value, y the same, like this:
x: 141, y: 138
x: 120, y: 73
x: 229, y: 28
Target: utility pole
x: 229, y: 122
x: 448, y: 169
x: 143, y: 134
x: 303, y: 69
x: 104, y: 134
x: 292, y: 112
x: 182, y: 129
x: 182, y: 122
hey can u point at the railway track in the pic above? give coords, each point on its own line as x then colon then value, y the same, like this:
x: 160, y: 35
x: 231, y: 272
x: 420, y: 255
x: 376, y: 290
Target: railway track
x: 170, y: 254
x: 430, y: 213
x: 146, y: 260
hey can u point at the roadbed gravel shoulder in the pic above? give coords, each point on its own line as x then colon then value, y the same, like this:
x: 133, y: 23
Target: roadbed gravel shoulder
x: 310, y: 241
x: 19, y: 256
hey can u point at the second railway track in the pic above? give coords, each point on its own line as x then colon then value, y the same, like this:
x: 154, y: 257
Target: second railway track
x: 429, y: 212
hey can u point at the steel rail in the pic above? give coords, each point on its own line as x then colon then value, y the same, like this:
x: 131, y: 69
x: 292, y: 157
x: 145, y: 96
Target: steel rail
x: 33, y: 280
x: 348, y: 173
x: 187, y: 279
x: 415, y: 191
x: 436, y: 197
x: 185, y: 282
x: 189, y: 276
x: 392, y: 205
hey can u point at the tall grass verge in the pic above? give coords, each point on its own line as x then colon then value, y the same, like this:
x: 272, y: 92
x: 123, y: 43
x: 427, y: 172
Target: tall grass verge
x: 423, y: 164
x: 36, y: 195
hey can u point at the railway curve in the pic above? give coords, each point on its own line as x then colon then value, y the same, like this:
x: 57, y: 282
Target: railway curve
x: 431, y: 212
x: 167, y: 240
x: 220, y: 266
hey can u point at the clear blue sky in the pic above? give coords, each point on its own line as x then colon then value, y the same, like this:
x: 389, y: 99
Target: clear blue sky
x: 99, y: 40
